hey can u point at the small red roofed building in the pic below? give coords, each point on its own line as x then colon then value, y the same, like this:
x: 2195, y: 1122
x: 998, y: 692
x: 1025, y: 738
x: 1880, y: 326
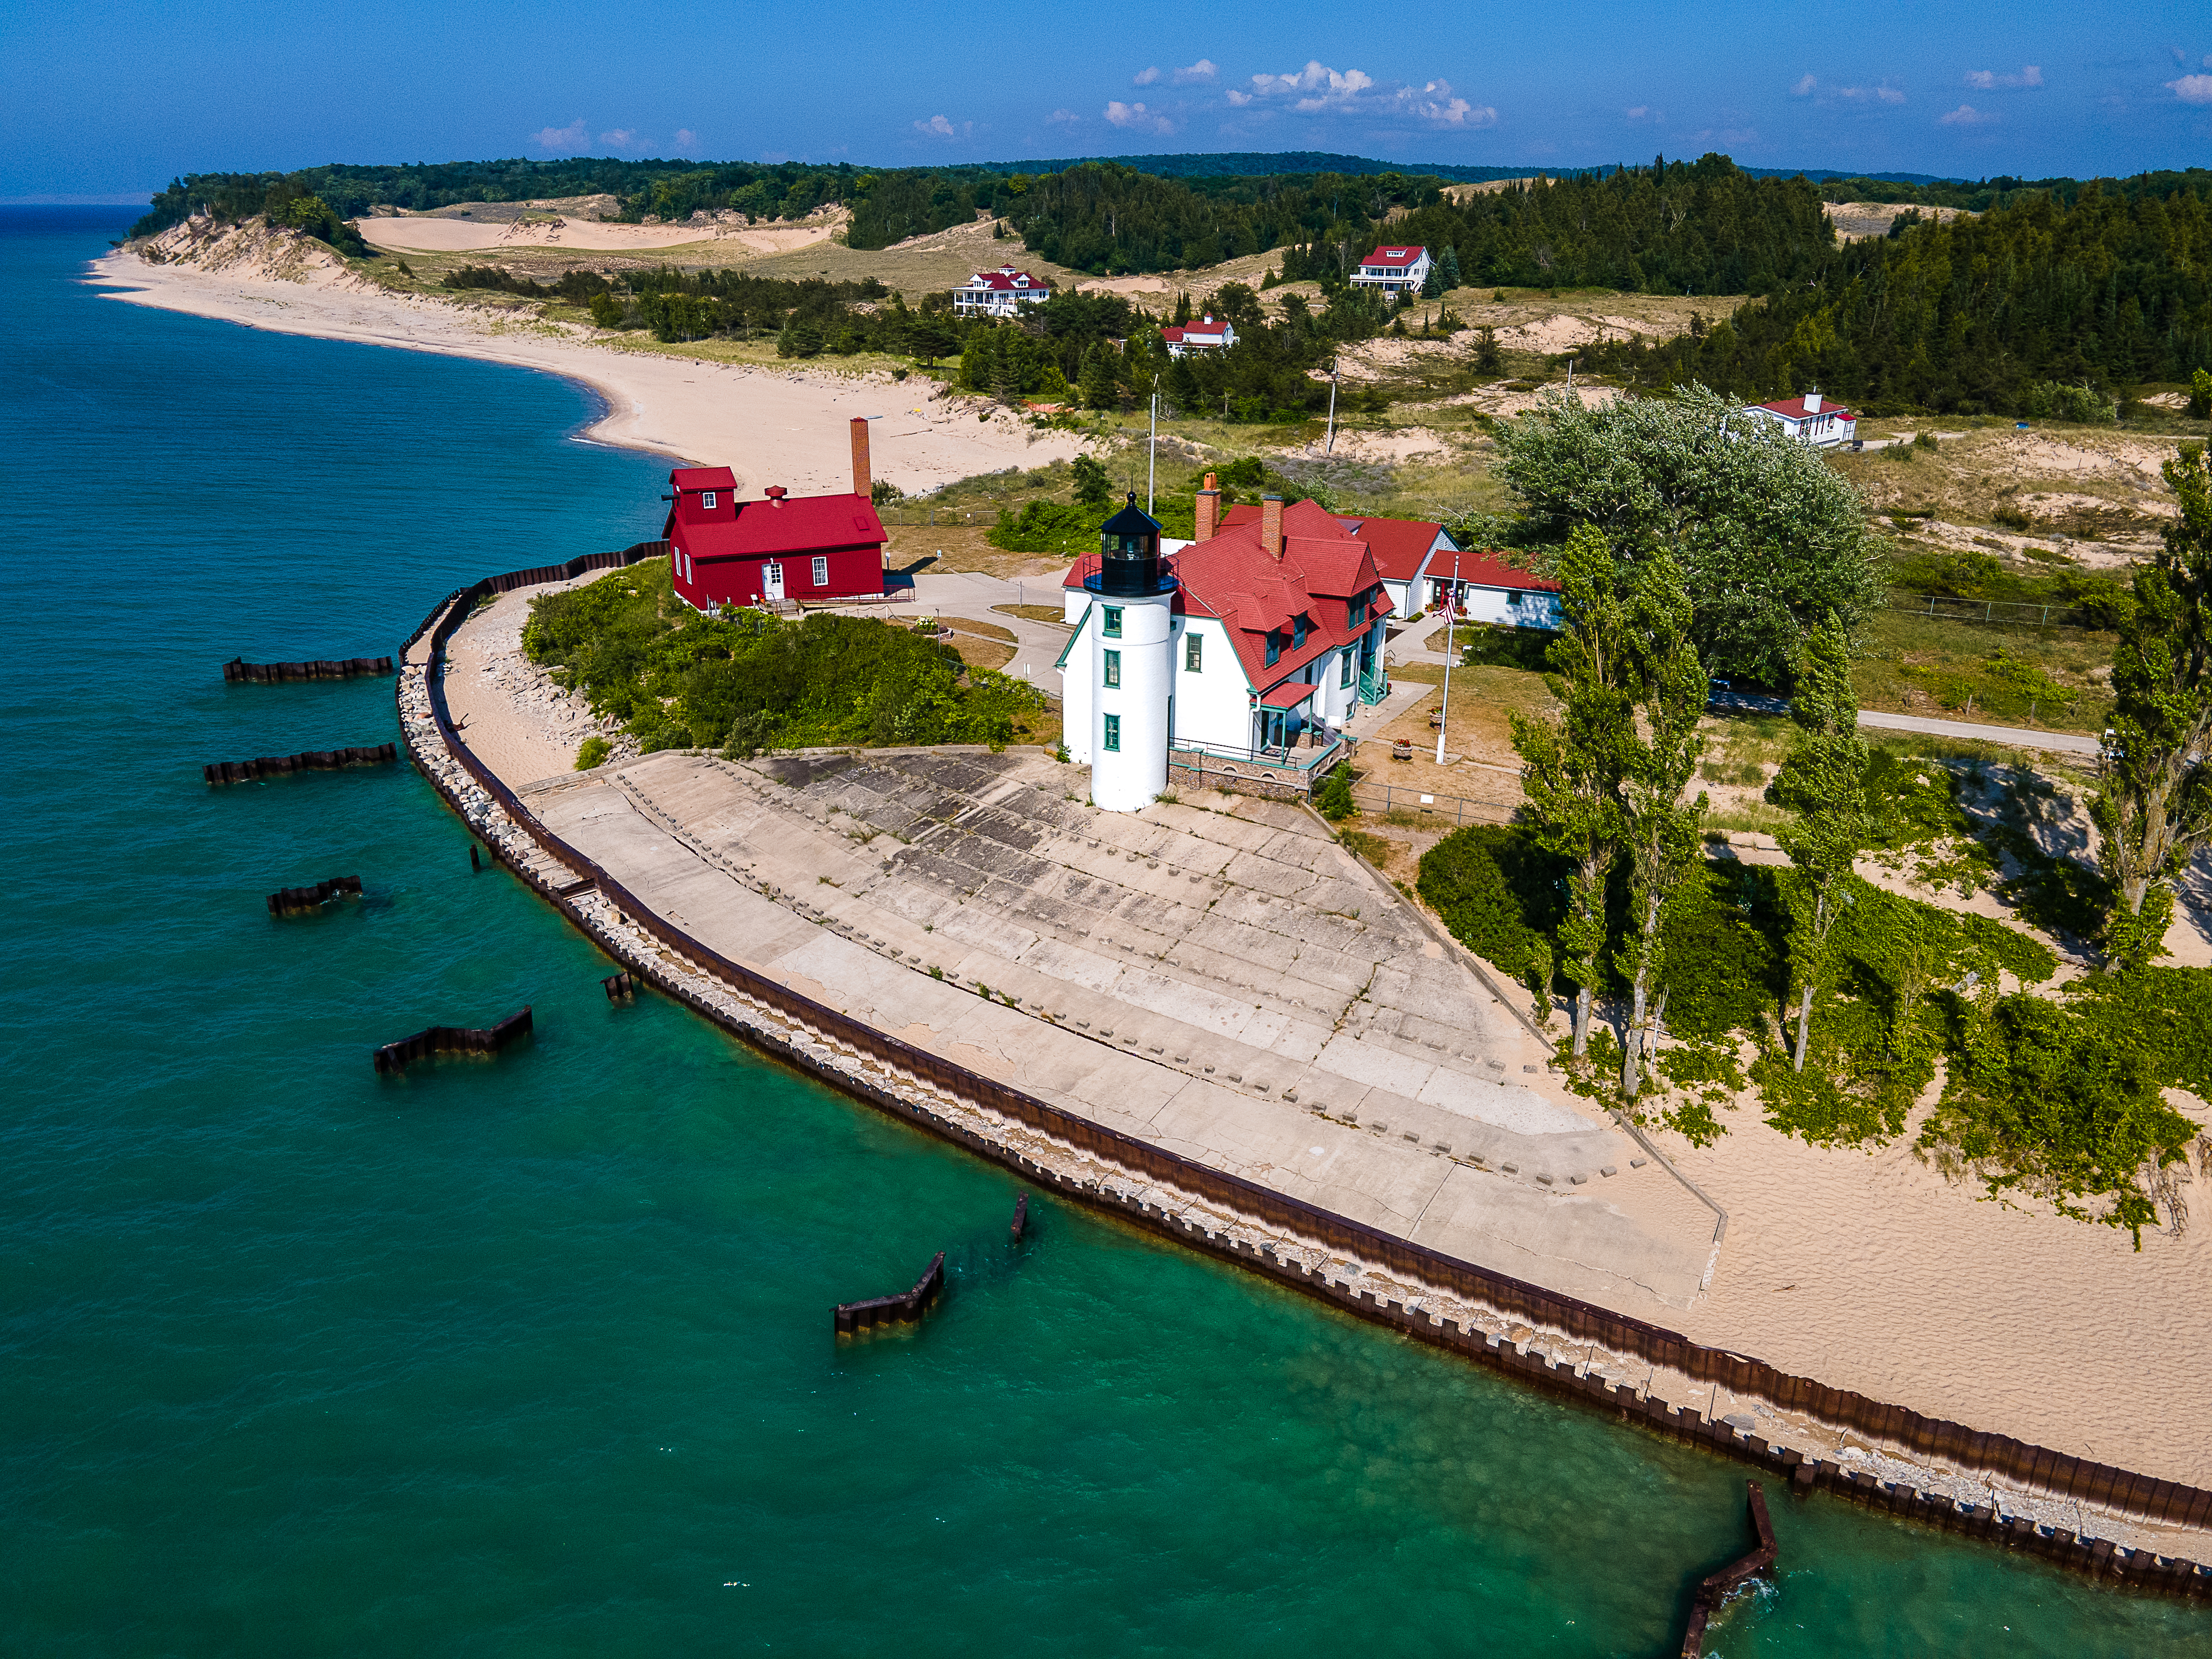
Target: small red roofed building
x: 1235, y: 660
x: 1001, y: 292
x: 1399, y: 269
x: 780, y: 549
x: 1407, y: 553
x: 1810, y: 419
x: 1205, y: 335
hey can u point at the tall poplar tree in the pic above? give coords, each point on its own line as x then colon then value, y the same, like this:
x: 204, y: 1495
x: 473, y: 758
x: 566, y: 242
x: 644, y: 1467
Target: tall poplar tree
x: 2153, y: 810
x: 1823, y: 780
x: 1573, y: 766
x: 1659, y: 821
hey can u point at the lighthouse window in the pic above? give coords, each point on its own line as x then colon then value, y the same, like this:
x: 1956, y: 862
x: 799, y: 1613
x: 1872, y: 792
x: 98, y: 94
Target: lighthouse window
x: 1113, y: 622
x: 1112, y: 737
x: 1112, y: 668
x: 1346, y: 677
x: 1194, y: 652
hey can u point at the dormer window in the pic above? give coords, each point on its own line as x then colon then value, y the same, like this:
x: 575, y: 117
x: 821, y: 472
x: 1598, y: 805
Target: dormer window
x: 1274, y: 648
x: 1298, y: 632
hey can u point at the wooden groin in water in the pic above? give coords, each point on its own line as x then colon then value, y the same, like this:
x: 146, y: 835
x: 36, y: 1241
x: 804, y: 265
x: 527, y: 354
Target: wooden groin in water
x: 453, y: 1040
x: 238, y: 671
x: 854, y: 1317
x: 290, y: 901
x: 1021, y: 1218
x: 1734, y: 1577
x: 311, y: 760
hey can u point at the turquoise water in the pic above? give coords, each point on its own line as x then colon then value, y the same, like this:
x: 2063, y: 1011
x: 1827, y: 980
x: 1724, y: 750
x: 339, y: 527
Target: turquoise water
x: 532, y: 1357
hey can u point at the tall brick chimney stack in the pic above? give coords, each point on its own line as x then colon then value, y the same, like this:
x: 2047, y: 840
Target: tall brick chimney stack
x: 1209, y: 510
x: 860, y: 478
x: 1271, y: 525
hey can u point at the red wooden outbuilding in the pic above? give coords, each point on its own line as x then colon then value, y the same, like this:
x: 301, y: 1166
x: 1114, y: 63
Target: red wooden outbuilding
x: 781, y: 548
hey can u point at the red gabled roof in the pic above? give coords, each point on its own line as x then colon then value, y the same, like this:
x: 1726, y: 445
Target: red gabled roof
x: 1005, y: 282
x: 1491, y: 569
x: 1208, y: 330
x: 1233, y: 577
x: 703, y: 477
x: 1393, y: 256
x: 1399, y: 544
x: 1794, y: 409
x: 800, y: 525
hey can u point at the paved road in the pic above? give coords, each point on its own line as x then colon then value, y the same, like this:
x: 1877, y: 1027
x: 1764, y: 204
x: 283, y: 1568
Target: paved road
x: 2071, y: 743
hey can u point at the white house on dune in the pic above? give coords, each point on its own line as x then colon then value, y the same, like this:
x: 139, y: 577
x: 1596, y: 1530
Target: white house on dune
x: 1204, y: 336
x: 1235, y: 658
x: 1394, y: 269
x: 1001, y: 292
x: 1810, y: 420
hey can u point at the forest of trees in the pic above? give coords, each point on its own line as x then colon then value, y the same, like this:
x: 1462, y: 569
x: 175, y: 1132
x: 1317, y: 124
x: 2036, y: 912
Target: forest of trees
x: 1977, y: 315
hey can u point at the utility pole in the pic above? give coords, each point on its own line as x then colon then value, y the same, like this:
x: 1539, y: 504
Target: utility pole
x: 1452, y: 623
x: 1331, y: 448
x: 1152, y: 452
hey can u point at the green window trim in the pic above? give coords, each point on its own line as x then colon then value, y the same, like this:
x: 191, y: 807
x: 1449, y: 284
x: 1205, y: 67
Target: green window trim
x: 1114, y: 668
x: 1194, y: 653
x: 1275, y: 649
x: 1298, y: 632
x: 1111, y: 737
x: 1344, y: 677
x: 1113, y: 621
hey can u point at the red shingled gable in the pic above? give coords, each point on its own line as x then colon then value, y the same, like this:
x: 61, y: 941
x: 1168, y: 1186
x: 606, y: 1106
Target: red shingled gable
x: 1794, y: 409
x: 1399, y: 544
x: 762, y: 529
x: 1007, y: 281
x: 1232, y: 577
x: 1393, y: 256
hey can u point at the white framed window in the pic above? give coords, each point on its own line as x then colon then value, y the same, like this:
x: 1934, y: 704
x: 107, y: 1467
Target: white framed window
x: 1114, y: 668
x: 1194, y: 653
x: 707, y: 499
x: 821, y: 572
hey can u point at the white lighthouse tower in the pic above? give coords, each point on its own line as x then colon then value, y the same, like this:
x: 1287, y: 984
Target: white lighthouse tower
x: 1132, y: 664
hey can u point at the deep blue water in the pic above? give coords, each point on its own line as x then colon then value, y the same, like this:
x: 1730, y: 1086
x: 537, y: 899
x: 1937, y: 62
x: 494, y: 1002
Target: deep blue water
x: 532, y: 1357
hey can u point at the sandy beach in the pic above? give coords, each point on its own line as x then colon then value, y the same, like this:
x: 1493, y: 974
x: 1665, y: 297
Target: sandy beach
x: 769, y: 426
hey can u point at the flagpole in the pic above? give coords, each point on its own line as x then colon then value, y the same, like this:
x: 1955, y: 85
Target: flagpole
x: 1451, y: 619
x: 1152, y: 452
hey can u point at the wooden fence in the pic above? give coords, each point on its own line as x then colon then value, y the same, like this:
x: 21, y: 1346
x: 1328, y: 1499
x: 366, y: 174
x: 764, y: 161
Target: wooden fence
x: 2089, y: 1482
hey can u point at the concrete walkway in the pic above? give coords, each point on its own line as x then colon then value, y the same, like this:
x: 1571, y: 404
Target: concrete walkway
x: 2070, y: 743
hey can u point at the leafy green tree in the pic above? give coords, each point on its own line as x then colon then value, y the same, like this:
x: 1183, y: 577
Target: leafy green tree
x: 1574, y: 767
x: 2153, y: 808
x: 1823, y: 782
x: 1093, y: 487
x: 606, y: 311
x: 1659, y: 821
x: 1770, y: 538
x: 2200, y: 395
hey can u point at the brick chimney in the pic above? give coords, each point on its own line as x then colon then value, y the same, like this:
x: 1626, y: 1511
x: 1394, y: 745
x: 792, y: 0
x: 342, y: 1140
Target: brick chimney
x: 1209, y: 510
x: 776, y: 493
x: 861, y: 479
x: 1271, y: 525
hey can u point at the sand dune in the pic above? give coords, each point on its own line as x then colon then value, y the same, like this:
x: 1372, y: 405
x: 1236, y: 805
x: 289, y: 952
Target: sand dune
x: 429, y: 235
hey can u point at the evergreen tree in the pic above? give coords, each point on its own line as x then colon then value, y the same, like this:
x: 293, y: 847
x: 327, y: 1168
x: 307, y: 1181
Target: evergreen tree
x: 978, y: 360
x: 1573, y: 768
x: 1823, y: 782
x: 1093, y: 487
x: 1181, y: 311
x: 1449, y: 267
x: 1098, y: 387
x: 1660, y: 822
x: 1432, y: 285
x: 929, y: 339
x: 2153, y: 808
x: 1488, y: 359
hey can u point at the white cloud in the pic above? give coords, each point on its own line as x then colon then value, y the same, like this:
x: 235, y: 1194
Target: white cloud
x: 570, y: 137
x: 2192, y: 88
x: 1203, y: 70
x: 938, y: 127
x: 1137, y: 117
x: 1063, y: 115
x: 620, y: 138
x: 1804, y: 87
x: 1965, y: 116
x: 686, y: 139
x: 1317, y: 88
x: 1990, y: 80
x: 1885, y: 94
x: 1145, y: 77
x: 1636, y: 111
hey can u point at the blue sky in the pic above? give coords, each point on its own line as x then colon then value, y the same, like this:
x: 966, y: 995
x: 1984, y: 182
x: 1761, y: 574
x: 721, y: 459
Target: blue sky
x: 112, y: 99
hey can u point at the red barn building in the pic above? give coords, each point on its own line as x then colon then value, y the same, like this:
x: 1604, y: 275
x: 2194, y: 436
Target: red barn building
x: 812, y: 549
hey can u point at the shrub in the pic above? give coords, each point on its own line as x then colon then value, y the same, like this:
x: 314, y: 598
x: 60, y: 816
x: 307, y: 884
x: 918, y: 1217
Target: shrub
x: 593, y: 752
x: 1333, y: 800
x: 1048, y: 527
x: 1498, y: 892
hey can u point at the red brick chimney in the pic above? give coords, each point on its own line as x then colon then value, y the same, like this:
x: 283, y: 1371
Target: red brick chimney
x: 1209, y: 510
x: 861, y: 480
x: 776, y: 493
x: 1271, y: 525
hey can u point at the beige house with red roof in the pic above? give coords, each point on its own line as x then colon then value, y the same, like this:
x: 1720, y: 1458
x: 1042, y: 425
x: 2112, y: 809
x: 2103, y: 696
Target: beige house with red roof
x: 1269, y: 638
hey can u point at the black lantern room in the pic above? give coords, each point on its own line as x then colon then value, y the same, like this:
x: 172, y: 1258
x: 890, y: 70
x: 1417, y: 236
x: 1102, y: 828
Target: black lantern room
x: 1129, y: 542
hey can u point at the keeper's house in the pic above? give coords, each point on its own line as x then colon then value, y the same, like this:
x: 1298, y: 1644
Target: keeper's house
x: 1810, y: 421
x: 1394, y: 269
x: 1230, y: 663
x: 782, y: 551
x: 1407, y: 552
x: 1202, y: 337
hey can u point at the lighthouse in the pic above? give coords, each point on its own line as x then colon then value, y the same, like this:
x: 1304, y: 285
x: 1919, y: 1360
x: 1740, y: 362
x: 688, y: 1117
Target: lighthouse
x: 1131, y: 663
